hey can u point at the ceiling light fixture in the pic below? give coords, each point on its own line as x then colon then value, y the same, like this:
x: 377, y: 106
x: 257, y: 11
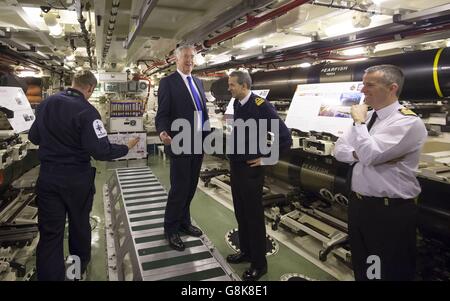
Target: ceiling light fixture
x: 354, y: 51
x: 338, y: 29
x: 358, y: 59
x: 305, y: 65
x: 250, y: 43
x: 53, y: 25
x: 378, y: 2
x: 70, y: 58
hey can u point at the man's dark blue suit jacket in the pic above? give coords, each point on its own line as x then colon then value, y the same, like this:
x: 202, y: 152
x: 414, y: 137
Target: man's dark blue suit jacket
x: 175, y: 101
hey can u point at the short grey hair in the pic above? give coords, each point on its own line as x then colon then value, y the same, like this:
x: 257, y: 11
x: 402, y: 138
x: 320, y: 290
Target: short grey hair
x: 84, y: 78
x: 180, y: 48
x: 391, y: 75
x: 242, y: 77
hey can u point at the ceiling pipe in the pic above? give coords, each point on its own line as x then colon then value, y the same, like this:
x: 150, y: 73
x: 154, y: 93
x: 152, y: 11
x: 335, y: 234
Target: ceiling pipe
x: 22, y: 59
x: 9, y: 61
x: 390, y: 32
x: 349, y: 6
x: 227, y: 17
x: 251, y: 23
x: 325, y: 46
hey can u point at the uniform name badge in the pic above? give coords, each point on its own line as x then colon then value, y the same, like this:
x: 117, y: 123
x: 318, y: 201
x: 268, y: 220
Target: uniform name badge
x: 99, y: 129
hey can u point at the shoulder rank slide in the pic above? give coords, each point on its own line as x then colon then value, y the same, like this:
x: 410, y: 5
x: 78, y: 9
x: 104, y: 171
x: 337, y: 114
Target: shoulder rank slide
x: 407, y: 112
x: 259, y: 101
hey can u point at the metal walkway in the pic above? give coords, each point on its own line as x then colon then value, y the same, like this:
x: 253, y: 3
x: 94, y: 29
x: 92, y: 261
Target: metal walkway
x: 135, y: 203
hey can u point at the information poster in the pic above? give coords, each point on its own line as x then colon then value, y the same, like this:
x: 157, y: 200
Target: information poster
x: 137, y: 152
x: 324, y: 107
x: 13, y: 99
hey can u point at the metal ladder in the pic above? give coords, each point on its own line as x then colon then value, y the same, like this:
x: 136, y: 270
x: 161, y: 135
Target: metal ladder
x: 135, y: 203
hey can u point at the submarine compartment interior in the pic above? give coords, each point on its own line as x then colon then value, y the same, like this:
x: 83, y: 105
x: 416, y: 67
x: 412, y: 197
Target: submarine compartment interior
x: 296, y: 51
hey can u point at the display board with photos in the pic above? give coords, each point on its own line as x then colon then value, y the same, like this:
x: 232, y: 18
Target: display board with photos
x: 137, y: 152
x: 14, y: 100
x: 324, y: 107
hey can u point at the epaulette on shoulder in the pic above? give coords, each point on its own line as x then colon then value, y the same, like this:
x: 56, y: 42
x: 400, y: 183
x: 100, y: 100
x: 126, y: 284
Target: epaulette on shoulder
x: 407, y: 112
x: 259, y: 101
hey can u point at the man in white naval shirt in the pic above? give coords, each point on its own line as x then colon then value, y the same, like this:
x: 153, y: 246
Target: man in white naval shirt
x: 383, y: 146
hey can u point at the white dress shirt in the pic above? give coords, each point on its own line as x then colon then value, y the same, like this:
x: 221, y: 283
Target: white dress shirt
x: 388, y: 155
x: 244, y: 100
x: 185, y: 80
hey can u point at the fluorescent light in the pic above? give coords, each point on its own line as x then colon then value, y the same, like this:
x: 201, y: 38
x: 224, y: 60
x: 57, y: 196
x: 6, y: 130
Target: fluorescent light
x: 354, y: 51
x: 448, y: 43
x: 305, y: 65
x: 250, y: 43
x: 218, y: 59
x: 358, y: 59
x: 26, y: 74
x: 340, y: 29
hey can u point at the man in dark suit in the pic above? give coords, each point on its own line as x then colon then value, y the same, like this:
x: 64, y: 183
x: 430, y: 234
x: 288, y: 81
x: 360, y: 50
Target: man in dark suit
x: 181, y: 96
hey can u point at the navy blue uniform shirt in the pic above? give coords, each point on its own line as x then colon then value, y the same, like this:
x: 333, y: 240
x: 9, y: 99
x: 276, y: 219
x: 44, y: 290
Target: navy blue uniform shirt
x: 258, y: 108
x: 69, y: 130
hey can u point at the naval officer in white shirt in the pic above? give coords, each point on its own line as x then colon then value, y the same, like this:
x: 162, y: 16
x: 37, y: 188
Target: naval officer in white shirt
x: 383, y: 147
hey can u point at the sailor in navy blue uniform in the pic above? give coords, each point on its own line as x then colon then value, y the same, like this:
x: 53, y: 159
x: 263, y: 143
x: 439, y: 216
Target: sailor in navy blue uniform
x: 69, y: 131
x: 247, y: 173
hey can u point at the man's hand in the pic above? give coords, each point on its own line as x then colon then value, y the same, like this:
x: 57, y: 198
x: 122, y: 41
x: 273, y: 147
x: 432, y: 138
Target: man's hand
x: 359, y: 113
x: 254, y: 163
x: 165, y: 138
x: 132, y: 142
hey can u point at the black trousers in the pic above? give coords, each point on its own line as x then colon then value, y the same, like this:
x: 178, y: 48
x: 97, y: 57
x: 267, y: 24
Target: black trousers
x: 387, y: 229
x: 184, y: 174
x: 247, y: 187
x: 63, y: 192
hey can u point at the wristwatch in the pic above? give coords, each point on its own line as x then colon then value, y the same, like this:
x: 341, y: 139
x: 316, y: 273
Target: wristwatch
x: 358, y: 123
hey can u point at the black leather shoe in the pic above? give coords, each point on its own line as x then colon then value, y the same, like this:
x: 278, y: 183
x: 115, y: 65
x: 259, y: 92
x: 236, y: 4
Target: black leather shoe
x: 253, y: 274
x: 191, y: 230
x: 175, y: 242
x: 237, y: 258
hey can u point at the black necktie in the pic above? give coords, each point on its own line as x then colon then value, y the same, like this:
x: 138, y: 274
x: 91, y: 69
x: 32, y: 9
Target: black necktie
x: 372, y: 121
x: 237, y: 104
